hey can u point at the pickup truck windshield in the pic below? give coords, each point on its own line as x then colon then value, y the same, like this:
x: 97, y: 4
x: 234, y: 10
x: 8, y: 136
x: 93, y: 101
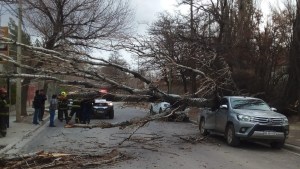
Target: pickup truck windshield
x: 249, y: 104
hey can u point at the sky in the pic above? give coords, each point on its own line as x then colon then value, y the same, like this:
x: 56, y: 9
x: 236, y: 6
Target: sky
x: 147, y: 11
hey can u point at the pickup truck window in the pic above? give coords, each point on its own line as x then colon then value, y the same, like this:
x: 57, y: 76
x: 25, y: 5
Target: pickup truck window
x: 249, y: 104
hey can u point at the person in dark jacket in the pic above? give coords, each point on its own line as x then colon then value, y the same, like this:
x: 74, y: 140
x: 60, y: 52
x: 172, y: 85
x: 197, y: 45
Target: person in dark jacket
x: 63, y: 107
x: 4, y: 113
x: 52, y: 109
x: 86, y: 110
x: 37, y: 105
x: 75, y: 109
x: 43, y: 98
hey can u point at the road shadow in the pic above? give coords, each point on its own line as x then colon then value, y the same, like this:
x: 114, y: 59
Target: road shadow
x: 257, y: 146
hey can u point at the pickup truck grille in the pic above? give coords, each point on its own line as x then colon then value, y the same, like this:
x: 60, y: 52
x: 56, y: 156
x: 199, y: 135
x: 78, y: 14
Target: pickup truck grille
x: 270, y: 121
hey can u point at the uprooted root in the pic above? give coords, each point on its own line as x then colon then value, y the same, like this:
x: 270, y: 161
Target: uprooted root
x: 62, y: 161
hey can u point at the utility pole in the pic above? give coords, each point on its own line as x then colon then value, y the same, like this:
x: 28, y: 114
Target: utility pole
x: 19, y: 83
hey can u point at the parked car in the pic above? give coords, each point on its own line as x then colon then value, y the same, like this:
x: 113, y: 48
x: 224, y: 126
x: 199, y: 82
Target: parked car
x: 103, y: 108
x: 245, y: 118
x: 159, y: 107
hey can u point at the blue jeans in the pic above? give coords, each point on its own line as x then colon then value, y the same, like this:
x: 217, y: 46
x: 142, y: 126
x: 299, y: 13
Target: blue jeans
x: 52, y: 114
x: 35, y: 115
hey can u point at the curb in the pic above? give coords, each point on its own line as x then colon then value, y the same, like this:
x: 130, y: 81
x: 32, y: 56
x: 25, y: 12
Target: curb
x: 292, y: 148
x: 287, y: 146
x: 10, y: 146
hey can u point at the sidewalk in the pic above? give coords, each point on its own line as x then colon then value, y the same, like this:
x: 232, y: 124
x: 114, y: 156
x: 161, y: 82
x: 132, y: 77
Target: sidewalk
x: 291, y: 143
x: 18, y: 131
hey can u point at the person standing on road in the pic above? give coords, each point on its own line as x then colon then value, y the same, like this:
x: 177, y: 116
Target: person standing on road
x: 63, y: 107
x: 37, y: 105
x: 43, y: 98
x: 52, y: 109
x: 75, y: 109
x: 4, y: 113
x: 87, y: 108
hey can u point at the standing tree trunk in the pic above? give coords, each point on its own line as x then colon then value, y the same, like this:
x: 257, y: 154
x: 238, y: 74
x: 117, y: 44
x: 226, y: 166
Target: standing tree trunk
x: 24, y: 95
x: 292, y: 95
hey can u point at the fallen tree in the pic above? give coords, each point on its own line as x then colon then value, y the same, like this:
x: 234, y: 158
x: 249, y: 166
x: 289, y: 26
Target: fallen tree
x: 61, y: 160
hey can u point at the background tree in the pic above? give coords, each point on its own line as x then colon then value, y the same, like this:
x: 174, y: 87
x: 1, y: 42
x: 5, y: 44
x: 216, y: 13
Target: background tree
x: 114, y: 73
x: 292, y: 89
x: 13, y: 28
x: 80, y: 23
x: 219, y: 47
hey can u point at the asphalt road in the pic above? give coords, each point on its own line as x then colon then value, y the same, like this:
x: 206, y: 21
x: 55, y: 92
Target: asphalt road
x: 159, y: 144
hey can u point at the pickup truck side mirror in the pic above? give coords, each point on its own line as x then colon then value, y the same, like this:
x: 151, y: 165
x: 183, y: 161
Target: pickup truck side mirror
x: 224, y: 106
x: 273, y: 109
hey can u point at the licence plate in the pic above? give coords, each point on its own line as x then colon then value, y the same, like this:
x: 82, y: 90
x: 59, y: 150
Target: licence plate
x: 270, y: 133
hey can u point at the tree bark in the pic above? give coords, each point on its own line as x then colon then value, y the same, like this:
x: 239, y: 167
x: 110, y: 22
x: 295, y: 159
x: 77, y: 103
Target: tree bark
x: 292, y: 95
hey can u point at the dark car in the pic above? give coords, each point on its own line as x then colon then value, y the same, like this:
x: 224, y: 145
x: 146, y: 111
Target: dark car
x: 103, y: 108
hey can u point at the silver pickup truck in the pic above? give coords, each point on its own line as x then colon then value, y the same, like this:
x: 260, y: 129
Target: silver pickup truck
x: 245, y: 118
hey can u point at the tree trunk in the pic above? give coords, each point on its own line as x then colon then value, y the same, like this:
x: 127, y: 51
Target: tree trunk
x: 24, y: 94
x: 184, y: 82
x: 292, y: 95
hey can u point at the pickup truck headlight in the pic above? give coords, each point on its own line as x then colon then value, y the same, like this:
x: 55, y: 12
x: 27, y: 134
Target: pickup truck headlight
x: 244, y: 118
x: 110, y: 103
x: 285, y: 121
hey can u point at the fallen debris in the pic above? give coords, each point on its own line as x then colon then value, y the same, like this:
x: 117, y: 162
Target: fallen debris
x: 193, y: 140
x: 137, y: 121
x: 179, y: 117
x: 61, y: 160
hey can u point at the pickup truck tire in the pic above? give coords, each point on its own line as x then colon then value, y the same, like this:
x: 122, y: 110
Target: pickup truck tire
x: 203, y: 131
x: 231, y: 139
x: 277, y: 144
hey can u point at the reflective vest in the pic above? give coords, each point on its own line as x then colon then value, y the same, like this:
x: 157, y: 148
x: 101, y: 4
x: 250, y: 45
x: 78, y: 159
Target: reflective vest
x: 75, y: 105
x: 63, y: 104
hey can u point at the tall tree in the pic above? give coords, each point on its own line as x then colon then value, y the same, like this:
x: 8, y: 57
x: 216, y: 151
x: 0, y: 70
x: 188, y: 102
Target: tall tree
x: 292, y: 89
x: 13, y: 29
x: 81, y: 23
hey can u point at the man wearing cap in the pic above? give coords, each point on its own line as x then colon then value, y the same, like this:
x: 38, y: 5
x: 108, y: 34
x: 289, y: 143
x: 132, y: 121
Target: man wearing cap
x: 4, y: 113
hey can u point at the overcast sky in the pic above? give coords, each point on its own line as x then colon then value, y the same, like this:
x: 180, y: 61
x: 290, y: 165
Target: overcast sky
x: 147, y: 11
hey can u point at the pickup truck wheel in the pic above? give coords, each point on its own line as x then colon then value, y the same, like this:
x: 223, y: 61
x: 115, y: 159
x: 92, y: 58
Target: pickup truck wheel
x: 203, y: 131
x: 277, y: 144
x: 231, y: 139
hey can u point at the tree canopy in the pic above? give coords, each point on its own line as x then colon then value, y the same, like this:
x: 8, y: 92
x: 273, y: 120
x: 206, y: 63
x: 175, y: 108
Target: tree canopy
x: 219, y: 48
